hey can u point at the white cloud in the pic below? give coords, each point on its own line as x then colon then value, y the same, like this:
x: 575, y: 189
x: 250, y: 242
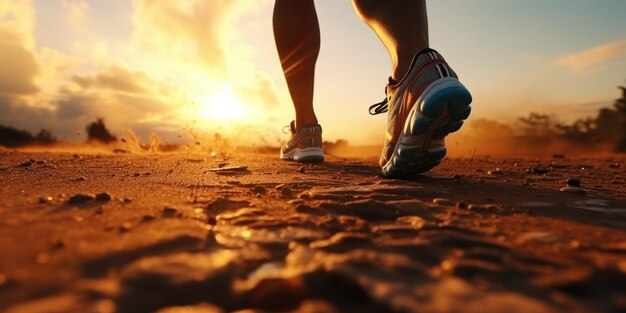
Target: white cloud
x: 590, y: 58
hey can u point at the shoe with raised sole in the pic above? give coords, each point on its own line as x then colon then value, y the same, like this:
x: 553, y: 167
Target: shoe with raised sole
x: 305, y: 146
x: 424, y: 107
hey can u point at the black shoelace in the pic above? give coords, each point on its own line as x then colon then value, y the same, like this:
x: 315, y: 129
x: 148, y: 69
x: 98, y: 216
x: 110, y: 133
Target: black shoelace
x: 380, y: 107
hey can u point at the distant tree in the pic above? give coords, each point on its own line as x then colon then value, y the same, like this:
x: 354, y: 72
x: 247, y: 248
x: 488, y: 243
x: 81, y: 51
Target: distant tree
x: 620, y: 106
x: 538, y: 125
x: 607, y: 125
x: 12, y: 137
x: 45, y: 137
x: 97, y: 131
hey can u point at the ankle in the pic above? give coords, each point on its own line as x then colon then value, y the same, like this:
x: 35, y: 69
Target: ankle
x: 402, y: 61
x: 305, y: 122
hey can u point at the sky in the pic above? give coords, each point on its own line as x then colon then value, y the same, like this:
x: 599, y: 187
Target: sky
x: 198, y: 66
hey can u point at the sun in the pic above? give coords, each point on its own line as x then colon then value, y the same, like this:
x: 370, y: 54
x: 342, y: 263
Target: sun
x: 223, y: 105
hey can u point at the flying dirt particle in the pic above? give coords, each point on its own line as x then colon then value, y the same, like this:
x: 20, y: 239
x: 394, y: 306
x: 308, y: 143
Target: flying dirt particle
x: 169, y: 212
x: 301, y: 169
x: 461, y: 205
x: 80, y: 198
x: 574, y: 190
x: 103, y: 196
x: 26, y: 164
x: 573, y: 182
x: 442, y: 201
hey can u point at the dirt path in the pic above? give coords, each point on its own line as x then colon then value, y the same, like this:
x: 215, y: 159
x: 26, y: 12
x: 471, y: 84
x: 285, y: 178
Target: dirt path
x: 333, y: 237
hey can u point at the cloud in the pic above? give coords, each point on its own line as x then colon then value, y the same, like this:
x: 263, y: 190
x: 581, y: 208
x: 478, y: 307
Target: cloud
x: 18, y: 65
x: 587, y: 59
x: 180, y: 52
x: 77, y: 11
x: 194, y: 30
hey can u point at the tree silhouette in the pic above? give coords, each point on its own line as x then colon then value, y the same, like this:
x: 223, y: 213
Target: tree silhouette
x: 620, y: 106
x: 97, y: 131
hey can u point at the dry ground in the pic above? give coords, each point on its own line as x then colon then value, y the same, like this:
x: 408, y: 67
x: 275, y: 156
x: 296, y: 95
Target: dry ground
x: 331, y: 237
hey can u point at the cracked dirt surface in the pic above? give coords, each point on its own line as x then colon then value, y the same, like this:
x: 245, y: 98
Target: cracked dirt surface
x: 163, y: 233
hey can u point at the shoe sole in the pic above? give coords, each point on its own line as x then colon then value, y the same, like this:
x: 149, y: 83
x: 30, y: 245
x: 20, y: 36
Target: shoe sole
x: 307, y: 155
x: 439, y: 111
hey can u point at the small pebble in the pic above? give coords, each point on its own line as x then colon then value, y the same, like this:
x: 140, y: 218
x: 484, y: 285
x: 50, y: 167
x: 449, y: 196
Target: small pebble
x: 461, y: 205
x: 125, y: 227
x: 26, y: 164
x: 47, y: 199
x: 81, y: 178
x: 540, y: 171
x: 302, y: 169
x: 127, y: 200
x: 573, y: 182
x: 57, y: 245
x: 137, y: 174
x: 456, y: 176
x: 80, y: 198
x: 258, y: 189
x: 614, y: 165
x: 103, y: 196
x: 286, y: 192
x: 147, y: 218
x: 442, y: 201
x: 558, y: 156
x: 169, y: 212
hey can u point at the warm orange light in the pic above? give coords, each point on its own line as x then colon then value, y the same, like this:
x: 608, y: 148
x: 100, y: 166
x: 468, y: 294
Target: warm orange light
x: 221, y: 106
